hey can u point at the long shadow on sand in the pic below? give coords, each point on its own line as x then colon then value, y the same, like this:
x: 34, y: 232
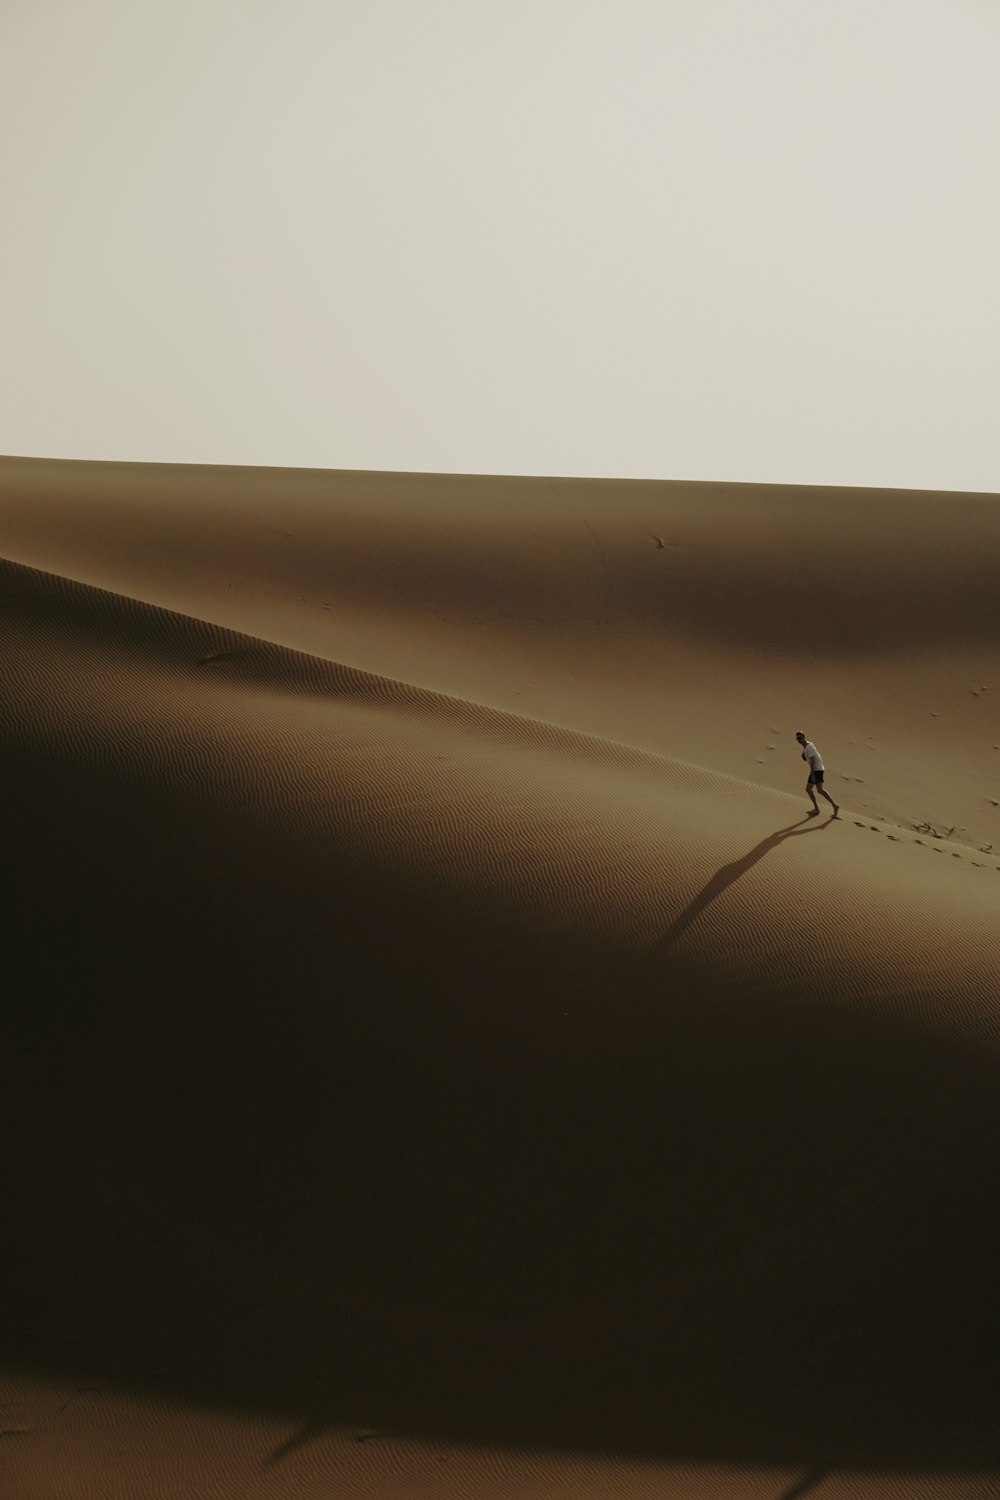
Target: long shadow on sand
x: 729, y: 874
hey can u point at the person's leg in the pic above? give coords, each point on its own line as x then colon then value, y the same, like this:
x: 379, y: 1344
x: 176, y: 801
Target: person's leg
x: 824, y: 793
x: 812, y: 796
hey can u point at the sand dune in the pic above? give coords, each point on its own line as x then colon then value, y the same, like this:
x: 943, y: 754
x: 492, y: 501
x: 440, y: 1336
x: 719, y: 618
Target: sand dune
x: 447, y: 1058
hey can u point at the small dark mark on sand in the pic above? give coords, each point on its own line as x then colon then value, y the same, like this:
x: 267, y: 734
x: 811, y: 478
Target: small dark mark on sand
x: 221, y: 656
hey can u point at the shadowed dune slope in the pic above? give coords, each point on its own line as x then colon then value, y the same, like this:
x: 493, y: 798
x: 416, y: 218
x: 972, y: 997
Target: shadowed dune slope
x: 434, y: 1035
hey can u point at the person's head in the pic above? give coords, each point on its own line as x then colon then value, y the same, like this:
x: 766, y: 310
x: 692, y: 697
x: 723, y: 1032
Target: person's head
x: 800, y: 736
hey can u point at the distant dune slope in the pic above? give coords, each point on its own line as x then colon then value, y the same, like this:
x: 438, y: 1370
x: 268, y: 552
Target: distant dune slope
x: 867, y: 617
x: 394, y: 1054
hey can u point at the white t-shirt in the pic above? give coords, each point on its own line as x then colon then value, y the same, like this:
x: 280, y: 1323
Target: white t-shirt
x: 810, y: 749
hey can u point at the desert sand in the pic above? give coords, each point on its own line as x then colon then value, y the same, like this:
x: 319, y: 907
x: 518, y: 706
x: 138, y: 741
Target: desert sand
x: 442, y: 1056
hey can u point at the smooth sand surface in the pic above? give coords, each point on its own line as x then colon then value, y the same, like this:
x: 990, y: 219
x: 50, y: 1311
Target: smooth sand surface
x: 442, y: 1056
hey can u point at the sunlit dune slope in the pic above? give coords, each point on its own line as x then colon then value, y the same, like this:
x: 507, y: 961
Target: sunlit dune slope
x: 537, y: 825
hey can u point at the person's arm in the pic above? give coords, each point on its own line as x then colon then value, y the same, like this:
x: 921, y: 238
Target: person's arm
x: 812, y: 765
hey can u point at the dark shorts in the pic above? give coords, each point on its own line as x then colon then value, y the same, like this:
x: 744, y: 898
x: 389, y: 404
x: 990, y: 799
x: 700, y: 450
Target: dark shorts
x: 815, y: 778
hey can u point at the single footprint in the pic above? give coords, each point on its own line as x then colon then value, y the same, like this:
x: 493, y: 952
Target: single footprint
x: 893, y: 837
x: 977, y: 865
x: 873, y: 827
x: 941, y: 851
x: 860, y: 825
x: 918, y: 841
x: 954, y: 855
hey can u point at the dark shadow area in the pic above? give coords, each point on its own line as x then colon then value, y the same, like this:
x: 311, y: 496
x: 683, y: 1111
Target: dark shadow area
x: 280, y: 1140
x: 729, y: 874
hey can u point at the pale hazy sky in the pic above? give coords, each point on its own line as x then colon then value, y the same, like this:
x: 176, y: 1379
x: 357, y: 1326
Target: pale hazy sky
x: 707, y: 239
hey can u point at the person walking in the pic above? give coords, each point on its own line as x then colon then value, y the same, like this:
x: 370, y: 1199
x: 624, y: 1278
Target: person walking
x: 815, y: 761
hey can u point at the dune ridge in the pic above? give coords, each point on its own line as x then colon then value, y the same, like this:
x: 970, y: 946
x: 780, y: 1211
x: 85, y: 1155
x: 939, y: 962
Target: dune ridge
x: 645, y: 829
x: 484, y: 1061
